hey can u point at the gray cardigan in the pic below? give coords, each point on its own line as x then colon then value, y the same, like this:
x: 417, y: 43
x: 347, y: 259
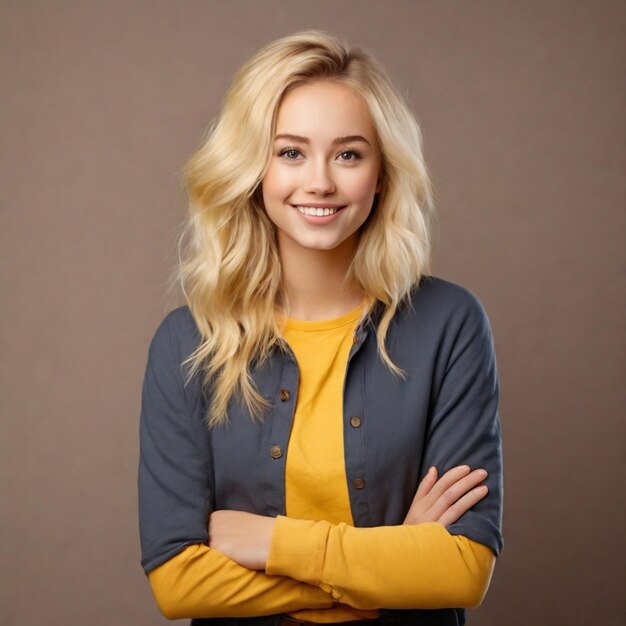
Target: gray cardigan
x: 445, y: 414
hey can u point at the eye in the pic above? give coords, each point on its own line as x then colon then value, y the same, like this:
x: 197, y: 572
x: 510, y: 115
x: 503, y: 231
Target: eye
x: 289, y: 151
x: 353, y: 153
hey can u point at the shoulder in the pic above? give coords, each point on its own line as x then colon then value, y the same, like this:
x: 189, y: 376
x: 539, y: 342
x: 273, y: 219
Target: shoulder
x: 444, y: 307
x: 180, y: 322
x: 435, y: 294
x: 177, y: 334
x: 175, y: 338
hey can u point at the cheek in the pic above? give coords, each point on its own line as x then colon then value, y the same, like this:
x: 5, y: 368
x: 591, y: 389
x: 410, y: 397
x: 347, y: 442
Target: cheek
x: 275, y: 183
x: 363, y: 188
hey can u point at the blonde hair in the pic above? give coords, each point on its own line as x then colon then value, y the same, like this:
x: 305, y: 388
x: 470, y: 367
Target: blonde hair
x: 229, y: 270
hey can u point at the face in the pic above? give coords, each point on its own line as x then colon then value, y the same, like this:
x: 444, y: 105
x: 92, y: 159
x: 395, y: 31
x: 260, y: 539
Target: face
x: 324, y: 168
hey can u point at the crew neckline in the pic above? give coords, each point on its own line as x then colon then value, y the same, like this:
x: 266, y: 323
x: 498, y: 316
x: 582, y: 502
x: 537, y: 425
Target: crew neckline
x: 334, y: 322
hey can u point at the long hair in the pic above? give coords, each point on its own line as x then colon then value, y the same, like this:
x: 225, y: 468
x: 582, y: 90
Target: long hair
x: 229, y: 268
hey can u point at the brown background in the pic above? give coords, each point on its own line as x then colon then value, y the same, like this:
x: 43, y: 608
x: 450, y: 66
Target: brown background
x: 521, y: 106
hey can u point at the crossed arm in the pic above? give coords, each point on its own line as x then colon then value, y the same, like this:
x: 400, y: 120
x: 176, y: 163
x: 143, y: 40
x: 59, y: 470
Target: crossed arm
x: 257, y: 565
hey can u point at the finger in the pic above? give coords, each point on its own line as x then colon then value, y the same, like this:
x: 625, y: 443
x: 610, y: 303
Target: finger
x: 454, y: 492
x: 429, y: 491
x: 426, y: 484
x: 447, y: 480
x: 463, y: 504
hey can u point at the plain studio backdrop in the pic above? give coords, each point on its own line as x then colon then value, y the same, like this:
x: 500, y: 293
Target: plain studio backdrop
x: 521, y: 105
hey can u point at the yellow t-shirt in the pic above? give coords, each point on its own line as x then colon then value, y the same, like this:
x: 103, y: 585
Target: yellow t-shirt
x: 315, y: 479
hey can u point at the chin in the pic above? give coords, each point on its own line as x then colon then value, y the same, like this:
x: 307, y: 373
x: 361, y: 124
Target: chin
x: 321, y: 246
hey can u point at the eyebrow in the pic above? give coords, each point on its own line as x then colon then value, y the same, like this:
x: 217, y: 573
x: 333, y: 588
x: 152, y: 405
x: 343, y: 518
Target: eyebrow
x: 335, y: 142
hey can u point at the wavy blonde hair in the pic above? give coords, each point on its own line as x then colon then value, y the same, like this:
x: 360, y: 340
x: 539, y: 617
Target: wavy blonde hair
x: 229, y: 268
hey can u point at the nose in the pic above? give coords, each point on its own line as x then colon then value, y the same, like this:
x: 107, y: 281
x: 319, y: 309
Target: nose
x: 318, y: 178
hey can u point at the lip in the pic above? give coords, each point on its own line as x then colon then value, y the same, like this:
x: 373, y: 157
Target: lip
x: 319, y: 205
x: 320, y: 219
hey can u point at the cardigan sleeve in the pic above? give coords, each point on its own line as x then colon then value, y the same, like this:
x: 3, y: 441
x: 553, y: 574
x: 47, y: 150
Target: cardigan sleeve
x: 419, y: 566
x: 464, y: 421
x: 188, y: 578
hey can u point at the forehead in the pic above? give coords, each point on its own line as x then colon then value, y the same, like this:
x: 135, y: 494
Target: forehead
x: 323, y: 109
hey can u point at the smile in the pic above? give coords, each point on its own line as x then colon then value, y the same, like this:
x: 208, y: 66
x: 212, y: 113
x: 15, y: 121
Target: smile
x: 319, y: 212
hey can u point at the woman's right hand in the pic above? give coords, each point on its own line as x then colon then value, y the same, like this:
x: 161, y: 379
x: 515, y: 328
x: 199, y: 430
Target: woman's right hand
x: 446, y: 499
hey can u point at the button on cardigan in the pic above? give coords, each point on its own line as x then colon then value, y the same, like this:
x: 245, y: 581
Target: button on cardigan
x: 445, y: 413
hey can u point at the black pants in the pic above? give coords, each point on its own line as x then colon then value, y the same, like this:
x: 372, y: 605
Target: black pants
x: 388, y: 617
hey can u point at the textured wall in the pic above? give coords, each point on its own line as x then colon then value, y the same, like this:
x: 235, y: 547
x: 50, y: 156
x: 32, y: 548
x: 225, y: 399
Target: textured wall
x: 521, y: 105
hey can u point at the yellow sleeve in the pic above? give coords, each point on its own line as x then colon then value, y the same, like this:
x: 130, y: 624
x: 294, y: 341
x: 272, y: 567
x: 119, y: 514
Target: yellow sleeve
x: 202, y: 582
x: 420, y: 566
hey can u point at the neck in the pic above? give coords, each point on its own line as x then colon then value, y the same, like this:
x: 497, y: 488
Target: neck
x: 314, y: 281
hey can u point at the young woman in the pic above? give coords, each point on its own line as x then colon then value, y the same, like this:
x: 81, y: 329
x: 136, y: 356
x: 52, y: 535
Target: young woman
x: 320, y: 440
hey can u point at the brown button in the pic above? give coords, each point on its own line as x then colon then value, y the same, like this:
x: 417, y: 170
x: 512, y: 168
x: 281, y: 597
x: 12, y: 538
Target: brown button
x: 359, y: 483
x: 355, y: 421
x: 284, y: 394
x: 355, y: 339
x: 276, y: 452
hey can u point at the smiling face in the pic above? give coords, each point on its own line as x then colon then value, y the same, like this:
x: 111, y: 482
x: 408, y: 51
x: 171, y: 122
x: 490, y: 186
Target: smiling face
x: 324, y: 169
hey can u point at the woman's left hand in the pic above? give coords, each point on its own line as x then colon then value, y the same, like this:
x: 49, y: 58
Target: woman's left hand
x: 243, y: 537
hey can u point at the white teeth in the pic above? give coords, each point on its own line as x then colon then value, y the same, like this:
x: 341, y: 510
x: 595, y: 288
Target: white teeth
x: 307, y: 210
